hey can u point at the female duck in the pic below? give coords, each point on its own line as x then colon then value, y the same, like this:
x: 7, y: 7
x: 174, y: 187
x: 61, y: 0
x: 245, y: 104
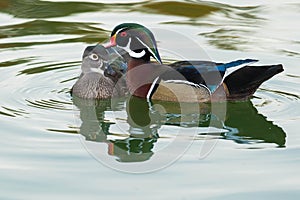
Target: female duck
x: 98, y: 79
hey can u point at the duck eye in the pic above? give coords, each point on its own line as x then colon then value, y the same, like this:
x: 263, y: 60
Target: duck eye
x: 94, y: 56
x: 123, y: 34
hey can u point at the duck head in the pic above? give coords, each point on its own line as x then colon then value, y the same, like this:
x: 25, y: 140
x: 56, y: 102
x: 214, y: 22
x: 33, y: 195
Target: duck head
x: 136, y: 40
x: 98, y: 59
x: 101, y: 76
x: 94, y: 59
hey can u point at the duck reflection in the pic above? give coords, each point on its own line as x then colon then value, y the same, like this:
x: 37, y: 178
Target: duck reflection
x: 143, y: 122
x: 247, y: 126
x: 143, y: 133
x: 136, y: 146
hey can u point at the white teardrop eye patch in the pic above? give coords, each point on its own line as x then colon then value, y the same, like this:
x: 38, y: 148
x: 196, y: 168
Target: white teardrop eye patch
x: 94, y: 56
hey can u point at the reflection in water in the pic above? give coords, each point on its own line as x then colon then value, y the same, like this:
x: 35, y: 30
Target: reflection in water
x: 243, y: 122
x: 235, y: 28
x: 46, y: 9
x: 79, y: 32
x: 247, y: 126
x: 144, y: 120
x: 231, y: 28
x: 95, y: 127
x: 180, y: 8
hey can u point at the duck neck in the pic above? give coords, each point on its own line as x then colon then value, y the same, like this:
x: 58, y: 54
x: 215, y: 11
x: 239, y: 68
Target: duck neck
x: 138, y: 77
x: 133, y: 63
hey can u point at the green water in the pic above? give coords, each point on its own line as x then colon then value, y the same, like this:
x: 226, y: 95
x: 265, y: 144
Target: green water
x: 56, y: 147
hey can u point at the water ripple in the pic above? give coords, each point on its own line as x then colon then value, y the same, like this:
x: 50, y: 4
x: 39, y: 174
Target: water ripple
x: 279, y: 104
x: 47, y: 67
x: 35, y: 87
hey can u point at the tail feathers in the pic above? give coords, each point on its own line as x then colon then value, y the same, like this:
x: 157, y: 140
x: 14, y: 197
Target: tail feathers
x: 236, y: 65
x: 243, y: 83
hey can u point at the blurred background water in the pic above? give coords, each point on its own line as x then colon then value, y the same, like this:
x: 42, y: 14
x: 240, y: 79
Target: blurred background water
x: 44, y: 135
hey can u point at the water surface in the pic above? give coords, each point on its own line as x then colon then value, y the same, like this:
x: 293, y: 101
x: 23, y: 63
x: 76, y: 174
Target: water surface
x: 47, y: 135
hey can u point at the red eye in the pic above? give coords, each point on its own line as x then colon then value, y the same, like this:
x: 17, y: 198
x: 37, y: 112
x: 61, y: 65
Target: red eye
x: 123, y: 34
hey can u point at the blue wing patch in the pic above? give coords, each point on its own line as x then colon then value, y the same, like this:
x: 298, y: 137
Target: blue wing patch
x: 236, y: 63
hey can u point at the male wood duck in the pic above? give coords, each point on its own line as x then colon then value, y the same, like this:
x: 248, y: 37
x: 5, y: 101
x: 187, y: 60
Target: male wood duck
x: 98, y: 79
x: 187, y: 81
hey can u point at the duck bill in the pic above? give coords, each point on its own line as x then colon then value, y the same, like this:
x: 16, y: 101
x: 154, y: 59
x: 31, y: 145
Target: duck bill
x: 111, y: 43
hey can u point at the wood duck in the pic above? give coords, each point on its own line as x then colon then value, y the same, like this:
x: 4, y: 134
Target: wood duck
x: 98, y: 79
x: 187, y: 81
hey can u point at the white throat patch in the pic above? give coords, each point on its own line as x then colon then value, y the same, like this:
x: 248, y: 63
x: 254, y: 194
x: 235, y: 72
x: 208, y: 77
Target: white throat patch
x: 132, y: 53
x: 97, y: 70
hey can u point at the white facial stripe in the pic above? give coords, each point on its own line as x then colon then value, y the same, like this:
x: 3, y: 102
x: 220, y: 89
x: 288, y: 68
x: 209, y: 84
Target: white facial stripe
x: 120, y: 30
x: 132, y: 53
x: 149, y: 49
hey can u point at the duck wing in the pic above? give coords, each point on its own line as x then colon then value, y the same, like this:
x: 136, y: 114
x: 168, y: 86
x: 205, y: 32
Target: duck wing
x: 210, y: 74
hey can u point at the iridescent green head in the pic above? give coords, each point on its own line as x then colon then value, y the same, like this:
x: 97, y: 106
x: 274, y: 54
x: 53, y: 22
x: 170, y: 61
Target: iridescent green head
x: 136, y: 40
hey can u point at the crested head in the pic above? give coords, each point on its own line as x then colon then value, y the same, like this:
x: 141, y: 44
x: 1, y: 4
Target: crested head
x: 126, y: 26
x: 136, y: 39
